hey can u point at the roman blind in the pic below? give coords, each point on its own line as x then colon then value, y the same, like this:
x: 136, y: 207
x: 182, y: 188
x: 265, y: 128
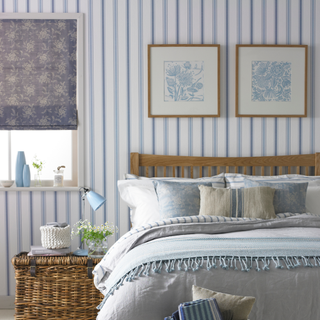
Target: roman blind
x: 38, y: 74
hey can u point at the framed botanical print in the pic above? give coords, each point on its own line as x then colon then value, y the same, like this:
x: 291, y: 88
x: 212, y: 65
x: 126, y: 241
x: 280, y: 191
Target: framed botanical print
x: 184, y: 80
x: 271, y: 80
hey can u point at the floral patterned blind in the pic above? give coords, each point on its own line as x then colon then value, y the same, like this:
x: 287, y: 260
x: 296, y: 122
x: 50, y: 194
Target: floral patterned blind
x: 38, y: 75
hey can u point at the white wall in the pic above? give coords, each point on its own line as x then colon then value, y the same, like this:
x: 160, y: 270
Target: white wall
x: 116, y: 37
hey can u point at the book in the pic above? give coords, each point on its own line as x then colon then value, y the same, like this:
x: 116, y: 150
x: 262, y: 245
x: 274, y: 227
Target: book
x: 39, y: 250
x: 46, y: 254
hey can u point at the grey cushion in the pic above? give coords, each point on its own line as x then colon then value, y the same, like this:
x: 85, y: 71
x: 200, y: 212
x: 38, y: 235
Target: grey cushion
x: 240, y: 305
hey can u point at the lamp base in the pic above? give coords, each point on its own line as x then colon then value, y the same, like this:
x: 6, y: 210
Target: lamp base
x: 81, y: 252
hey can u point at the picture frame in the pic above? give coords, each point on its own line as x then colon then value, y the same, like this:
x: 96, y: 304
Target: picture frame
x: 184, y: 80
x: 271, y: 80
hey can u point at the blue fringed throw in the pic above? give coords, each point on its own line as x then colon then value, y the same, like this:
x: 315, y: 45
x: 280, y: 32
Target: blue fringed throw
x: 191, y: 254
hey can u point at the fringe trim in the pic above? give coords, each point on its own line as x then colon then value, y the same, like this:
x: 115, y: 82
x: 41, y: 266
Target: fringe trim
x: 244, y: 264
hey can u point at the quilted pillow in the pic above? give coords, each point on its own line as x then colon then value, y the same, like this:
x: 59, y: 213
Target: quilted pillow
x: 288, y: 197
x: 248, y: 203
x: 178, y: 199
x: 240, y: 305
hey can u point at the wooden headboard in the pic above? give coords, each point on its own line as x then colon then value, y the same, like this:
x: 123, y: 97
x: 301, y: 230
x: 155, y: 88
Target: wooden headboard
x: 172, y: 166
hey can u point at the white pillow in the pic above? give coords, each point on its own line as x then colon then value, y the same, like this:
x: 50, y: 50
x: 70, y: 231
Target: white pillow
x: 236, y: 180
x: 313, y: 200
x: 139, y: 194
x: 313, y: 181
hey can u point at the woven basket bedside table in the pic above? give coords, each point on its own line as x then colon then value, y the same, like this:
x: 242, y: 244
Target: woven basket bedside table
x: 60, y: 288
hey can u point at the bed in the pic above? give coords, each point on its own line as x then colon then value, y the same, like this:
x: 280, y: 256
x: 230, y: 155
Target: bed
x: 154, y: 267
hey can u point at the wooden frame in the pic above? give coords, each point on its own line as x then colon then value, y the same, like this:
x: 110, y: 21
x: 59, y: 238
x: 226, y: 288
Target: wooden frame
x: 294, y: 105
x: 304, y: 161
x: 208, y: 107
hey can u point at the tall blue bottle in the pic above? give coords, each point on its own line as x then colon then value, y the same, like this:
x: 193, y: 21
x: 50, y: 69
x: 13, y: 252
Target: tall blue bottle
x: 26, y: 175
x: 21, y: 161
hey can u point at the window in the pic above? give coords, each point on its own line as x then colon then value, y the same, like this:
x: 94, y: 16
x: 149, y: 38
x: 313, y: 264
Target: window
x: 53, y: 147
x: 42, y: 94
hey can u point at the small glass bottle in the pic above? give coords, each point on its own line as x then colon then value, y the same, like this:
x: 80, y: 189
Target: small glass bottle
x: 58, y: 177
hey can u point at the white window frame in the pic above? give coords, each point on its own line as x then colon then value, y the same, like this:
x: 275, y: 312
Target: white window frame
x: 78, y: 135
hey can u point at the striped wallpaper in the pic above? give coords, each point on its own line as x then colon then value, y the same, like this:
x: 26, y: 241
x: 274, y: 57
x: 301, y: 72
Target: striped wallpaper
x: 117, y: 33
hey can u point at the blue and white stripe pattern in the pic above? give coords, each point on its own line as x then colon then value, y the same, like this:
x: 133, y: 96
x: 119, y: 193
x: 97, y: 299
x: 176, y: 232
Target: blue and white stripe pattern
x: 200, y: 309
x: 207, y: 23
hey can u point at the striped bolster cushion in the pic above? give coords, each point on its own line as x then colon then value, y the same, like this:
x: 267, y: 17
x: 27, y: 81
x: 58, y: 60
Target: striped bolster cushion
x: 200, y: 309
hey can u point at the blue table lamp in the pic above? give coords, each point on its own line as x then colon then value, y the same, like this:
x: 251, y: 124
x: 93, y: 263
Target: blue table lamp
x: 96, y: 201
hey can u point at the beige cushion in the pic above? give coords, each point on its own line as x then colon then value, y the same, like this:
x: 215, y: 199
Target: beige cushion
x: 254, y: 202
x: 240, y: 305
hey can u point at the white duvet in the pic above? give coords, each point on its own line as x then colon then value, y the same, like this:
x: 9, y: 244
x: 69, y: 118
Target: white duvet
x: 280, y: 294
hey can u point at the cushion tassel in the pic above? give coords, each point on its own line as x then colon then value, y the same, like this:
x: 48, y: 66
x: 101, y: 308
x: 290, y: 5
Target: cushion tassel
x: 120, y: 283
x: 307, y: 262
x: 202, y: 260
x: 193, y: 262
x: 179, y: 264
x: 157, y: 269
x: 134, y: 273
x: 209, y: 265
x: 224, y: 266
x: 297, y: 264
x: 140, y: 271
x: 186, y: 265
x: 257, y: 264
x: 173, y: 262
x: 146, y: 270
x: 214, y: 262
x: 245, y: 265
x: 168, y: 266
x: 251, y: 263
x: 289, y: 261
x: 100, y: 306
x: 128, y: 276
x: 235, y: 264
x: 231, y: 262
x: 266, y: 264
x: 241, y: 264
x: 280, y: 265
x: 316, y: 260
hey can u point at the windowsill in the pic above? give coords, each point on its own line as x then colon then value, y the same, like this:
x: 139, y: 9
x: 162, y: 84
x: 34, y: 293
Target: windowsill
x: 40, y: 189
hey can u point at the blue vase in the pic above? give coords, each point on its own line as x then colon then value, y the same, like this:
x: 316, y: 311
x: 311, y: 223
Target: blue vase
x: 26, y: 175
x: 21, y: 161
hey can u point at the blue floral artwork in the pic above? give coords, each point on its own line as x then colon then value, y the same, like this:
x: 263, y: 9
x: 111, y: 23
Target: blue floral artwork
x: 271, y: 81
x: 184, y: 81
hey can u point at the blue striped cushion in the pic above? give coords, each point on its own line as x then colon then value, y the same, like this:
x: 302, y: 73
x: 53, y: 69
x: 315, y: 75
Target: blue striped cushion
x: 200, y: 309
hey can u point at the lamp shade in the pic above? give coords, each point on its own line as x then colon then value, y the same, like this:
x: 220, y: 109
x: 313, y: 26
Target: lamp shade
x: 95, y: 200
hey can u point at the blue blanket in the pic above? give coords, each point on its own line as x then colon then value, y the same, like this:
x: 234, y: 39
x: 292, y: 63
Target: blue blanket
x: 188, y: 253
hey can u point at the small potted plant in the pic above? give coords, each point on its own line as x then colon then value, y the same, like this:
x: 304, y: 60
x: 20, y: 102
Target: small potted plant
x: 38, y: 165
x: 96, y: 237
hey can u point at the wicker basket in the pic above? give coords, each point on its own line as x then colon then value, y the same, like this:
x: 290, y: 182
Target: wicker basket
x: 60, y: 289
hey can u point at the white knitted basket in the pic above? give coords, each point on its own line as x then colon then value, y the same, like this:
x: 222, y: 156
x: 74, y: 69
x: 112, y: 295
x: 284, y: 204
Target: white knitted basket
x: 55, y: 237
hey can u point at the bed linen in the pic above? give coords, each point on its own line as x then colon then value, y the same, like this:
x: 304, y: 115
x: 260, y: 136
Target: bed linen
x: 151, y: 269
